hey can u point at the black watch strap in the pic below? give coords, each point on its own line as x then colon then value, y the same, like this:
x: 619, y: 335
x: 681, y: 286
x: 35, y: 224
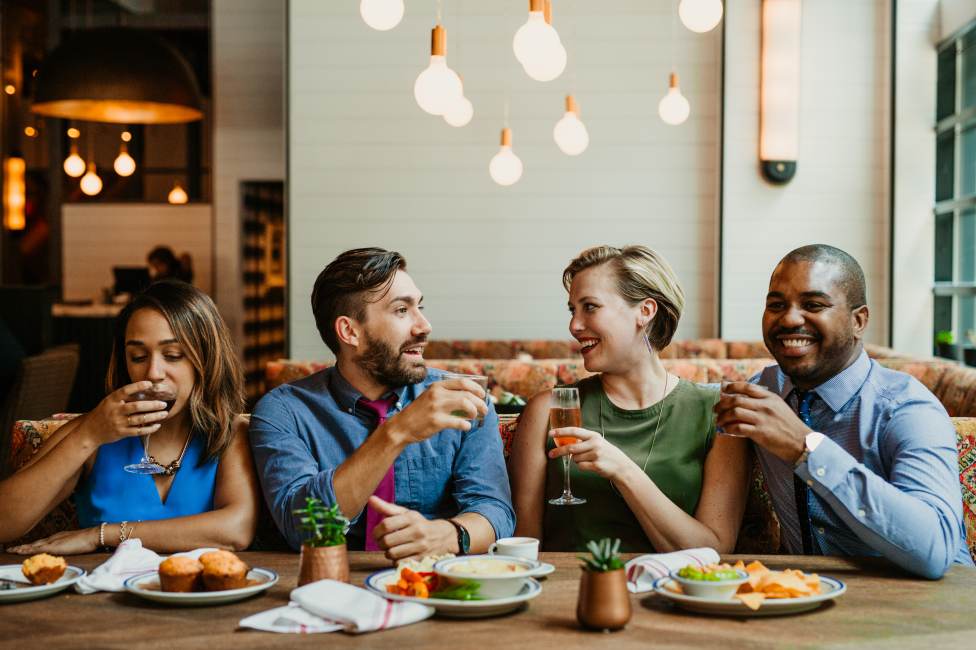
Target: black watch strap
x: 463, y: 538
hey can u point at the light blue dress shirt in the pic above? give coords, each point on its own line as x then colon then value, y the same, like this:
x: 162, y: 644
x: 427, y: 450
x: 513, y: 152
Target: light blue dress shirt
x: 303, y: 431
x: 884, y: 481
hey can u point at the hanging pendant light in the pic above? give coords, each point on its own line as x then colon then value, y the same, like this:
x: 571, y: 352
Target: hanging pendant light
x: 700, y: 15
x: 437, y: 87
x: 570, y: 133
x: 124, y: 164
x: 674, y: 108
x: 117, y: 75
x: 537, y: 46
x: 14, y: 192
x: 381, y: 15
x: 91, y: 184
x: 177, y: 195
x: 74, y: 165
x: 505, y: 167
x: 460, y: 113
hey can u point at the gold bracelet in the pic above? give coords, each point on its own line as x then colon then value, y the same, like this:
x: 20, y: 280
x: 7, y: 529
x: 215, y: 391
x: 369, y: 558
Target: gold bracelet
x: 122, y: 535
x: 101, y: 536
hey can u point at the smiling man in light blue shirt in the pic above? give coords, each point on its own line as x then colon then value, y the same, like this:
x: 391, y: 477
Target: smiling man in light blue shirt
x: 859, y: 459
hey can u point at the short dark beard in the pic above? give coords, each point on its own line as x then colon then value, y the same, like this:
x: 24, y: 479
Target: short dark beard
x: 381, y: 362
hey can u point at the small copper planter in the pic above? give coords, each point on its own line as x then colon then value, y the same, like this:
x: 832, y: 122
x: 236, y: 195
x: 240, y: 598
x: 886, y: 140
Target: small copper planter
x: 604, y: 602
x: 319, y: 563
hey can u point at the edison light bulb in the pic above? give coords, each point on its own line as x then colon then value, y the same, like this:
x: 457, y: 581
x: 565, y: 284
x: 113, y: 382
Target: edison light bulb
x: 460, y: 112
x: 74, y: 165
x: 538, y: 48
x: 570, y: 134
x: 700, y: 15
x: 381, y: 15
x: 91, y: 184
x: 177, y: 195
x: 674, y: 108
x: 437, y: 87
x: 505, y: 167
x: 124, y: 163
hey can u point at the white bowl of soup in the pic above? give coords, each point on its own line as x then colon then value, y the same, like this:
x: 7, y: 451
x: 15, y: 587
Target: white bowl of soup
x: 499, y: 576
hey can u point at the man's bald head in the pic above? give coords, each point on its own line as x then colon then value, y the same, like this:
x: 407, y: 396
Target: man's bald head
x: 850, y: 276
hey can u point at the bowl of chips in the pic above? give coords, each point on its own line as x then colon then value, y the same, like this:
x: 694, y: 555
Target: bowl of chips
x: 719, y: 581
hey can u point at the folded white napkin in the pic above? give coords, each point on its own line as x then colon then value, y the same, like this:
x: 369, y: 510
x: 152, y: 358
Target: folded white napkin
x: 130, y: 559
x: 357, y: 609
x: 643, y: 570
x: 290, y: 618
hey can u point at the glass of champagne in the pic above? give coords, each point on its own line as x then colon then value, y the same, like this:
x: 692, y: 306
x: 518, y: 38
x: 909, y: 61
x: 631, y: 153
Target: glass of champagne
x: 154, y: 392
x: 564, y: 411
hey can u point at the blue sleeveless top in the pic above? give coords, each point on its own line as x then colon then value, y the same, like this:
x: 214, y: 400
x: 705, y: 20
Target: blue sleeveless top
x: 109, y: 493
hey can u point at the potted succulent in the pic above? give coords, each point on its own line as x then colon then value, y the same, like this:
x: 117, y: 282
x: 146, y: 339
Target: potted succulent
x: 945, y: 345
x: 604, y: 602
x: 324, y: 550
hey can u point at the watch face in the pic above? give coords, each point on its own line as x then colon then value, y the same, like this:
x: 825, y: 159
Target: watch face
x: 464, y: 541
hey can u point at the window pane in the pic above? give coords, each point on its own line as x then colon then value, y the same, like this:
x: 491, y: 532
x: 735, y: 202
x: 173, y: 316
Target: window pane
x: 967, y: 245
x: 967, y: 318
x: 945, y: 166
x: 943, y: 313
x: 969, y: 69
x: 943, y: 247
x: 967, y: 162
x: 946, y: 89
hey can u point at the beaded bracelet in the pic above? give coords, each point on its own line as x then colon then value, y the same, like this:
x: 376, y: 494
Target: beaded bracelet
x: 101, y: 535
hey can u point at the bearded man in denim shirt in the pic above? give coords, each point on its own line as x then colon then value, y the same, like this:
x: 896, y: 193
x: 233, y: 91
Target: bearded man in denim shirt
x: 412, y: 457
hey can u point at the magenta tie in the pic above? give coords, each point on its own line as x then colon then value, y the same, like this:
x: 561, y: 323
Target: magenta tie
x: 386, y: 489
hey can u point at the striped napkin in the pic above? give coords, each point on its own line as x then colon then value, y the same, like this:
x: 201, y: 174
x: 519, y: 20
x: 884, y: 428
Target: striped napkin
x: 643, y: 570
x: 355, y: 609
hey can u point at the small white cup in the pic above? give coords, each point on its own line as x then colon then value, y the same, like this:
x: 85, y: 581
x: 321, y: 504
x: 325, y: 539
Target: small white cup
x: 527, y: 547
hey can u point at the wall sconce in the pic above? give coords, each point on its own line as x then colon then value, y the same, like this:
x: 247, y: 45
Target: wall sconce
x: 14, y: 193
x: 779, y: 100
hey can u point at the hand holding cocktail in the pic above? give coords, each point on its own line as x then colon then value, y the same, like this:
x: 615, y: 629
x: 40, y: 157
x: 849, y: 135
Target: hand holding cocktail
x: 591, y: 452
x: 564, y: 416
x: 127, y: 412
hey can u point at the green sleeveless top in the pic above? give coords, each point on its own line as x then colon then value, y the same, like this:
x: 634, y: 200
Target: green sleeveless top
x: 675, y: 463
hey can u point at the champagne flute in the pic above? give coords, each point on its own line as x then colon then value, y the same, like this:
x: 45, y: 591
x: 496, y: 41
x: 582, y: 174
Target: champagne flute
x: 154, y: 392
x: 564, y: 411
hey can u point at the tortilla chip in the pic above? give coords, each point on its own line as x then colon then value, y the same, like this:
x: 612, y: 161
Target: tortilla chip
x: 752, y: 600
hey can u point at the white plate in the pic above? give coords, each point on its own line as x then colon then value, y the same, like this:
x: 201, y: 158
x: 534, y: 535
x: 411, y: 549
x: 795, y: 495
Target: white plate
x: 830, y: 588
x: 29, y: 592
x: 544, y: 569
x: 457, y: 608
x: 146, y: 586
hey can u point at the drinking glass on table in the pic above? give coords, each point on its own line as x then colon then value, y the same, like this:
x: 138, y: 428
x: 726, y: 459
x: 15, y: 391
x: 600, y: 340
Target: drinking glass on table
x: 482, y: 381
x: 564, y: 411
x: 146, y: 464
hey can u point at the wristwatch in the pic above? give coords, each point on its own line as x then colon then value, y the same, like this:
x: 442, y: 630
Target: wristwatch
x: 463, y: 538
x: 810, y: 443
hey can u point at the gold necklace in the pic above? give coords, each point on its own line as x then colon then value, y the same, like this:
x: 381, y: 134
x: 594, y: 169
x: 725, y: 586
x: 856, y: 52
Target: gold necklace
x: 657, y: 425
x: 173, y: 467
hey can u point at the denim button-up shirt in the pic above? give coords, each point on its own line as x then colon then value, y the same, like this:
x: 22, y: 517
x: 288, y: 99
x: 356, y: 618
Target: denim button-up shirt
x: 884, y: 481
x: 302, y: 432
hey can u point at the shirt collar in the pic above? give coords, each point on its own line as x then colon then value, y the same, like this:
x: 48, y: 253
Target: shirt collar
x: 839, y: 389
x: 347, y: 396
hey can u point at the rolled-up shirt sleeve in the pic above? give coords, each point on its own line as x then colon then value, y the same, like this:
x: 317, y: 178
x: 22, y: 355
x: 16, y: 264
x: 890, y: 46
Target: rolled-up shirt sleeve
x: 287, y: 469
x: 481, y: 479
x: 914, y: 517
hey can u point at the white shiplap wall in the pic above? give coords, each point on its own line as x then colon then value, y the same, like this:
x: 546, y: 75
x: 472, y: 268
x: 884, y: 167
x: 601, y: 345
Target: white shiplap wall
x: 368, y: 167
x: 839, y: 195
x: 249, y: 138
x: 98, y: 236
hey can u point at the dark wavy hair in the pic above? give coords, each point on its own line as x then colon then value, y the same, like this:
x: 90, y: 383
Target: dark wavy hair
x: 348, y: 284
x: 218, y: 390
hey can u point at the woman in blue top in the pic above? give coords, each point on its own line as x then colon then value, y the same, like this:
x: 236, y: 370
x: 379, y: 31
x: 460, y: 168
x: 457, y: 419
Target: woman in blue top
x: 172, y: 337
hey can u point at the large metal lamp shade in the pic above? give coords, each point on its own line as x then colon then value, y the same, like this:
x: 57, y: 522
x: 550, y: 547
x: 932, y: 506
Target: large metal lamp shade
x: 117, y: 75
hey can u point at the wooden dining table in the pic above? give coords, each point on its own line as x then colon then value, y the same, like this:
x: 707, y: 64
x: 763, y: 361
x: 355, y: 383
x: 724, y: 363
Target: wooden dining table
x: 883, y: 607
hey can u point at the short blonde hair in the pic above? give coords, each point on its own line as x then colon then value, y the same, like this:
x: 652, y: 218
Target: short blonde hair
x: 641, y: 273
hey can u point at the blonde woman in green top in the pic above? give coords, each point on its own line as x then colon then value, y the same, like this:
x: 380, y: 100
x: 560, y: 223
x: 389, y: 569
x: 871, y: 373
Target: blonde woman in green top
x: 648, y: 461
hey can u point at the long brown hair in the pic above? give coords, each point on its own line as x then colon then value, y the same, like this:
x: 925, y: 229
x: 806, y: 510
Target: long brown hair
x: 218, y: 389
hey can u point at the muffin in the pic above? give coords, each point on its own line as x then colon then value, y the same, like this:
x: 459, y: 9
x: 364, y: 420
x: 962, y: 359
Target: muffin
x: 180, y: 574
x: 223, y: 570
x: 43, y: 569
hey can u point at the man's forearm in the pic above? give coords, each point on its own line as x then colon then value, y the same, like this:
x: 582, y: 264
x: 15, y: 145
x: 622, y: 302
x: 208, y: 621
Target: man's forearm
x: 356, y: 479
x: 480, y: 530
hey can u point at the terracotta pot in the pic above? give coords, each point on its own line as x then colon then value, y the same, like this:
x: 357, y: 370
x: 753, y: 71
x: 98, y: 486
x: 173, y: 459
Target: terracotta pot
x: 604, y: 602
x: 319, y: 563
